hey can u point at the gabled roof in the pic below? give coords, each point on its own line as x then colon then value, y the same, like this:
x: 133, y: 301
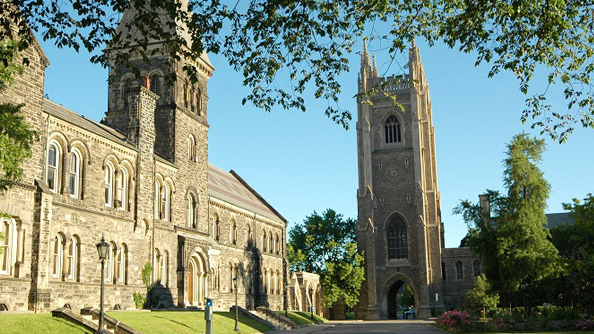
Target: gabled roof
x: 67, y: 115
x: 231, y: 188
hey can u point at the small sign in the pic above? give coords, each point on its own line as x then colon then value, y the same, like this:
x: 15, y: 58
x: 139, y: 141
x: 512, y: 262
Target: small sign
x: 209, y: 302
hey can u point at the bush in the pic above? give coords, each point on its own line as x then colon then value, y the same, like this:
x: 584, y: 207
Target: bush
x: 585, y: 325
x: 139, y: 300
x: 455, y: 321
x: 479, y: 300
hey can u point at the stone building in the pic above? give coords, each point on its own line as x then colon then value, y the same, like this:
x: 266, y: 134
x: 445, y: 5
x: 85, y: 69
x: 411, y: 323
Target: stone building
x: 140, y: 179
x: 399, y: 217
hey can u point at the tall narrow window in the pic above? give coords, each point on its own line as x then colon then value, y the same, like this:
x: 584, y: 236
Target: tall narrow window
x: 234, y: 232
x: 53, y: 166
x: 126, y: 91
x: 191, y: 148
x: 166, y: 202
x: 186, y: 95
x: 164, y: 268
x: 459, y: 270
x: 192, y: 105
x: 476, y: 266
x: 111, y: 263
x: 123, y: 189
x: 156, y: 266
x: 74, y: 180
x: 276, y: 245
x: 248, y: 235
x: 264, y: 242
x: 73, y: 256
x: 122, y: 263
x: 109, y: 170
x: 156, y: 84
x: 199, y: 102
x: 157, y: 200
x: 392, y: 130
x: 397, y: 244
x: 217, y: 230
x: 8, y: 246
x: 443, y: 271
x: 191, y: 199
x: 58, y: 256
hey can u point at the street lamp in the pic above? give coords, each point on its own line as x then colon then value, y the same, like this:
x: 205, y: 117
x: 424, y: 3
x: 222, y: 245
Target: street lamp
x: 312, y: 302
x: 286, y: 299
x: 102, y: 249
x: 236, y: 308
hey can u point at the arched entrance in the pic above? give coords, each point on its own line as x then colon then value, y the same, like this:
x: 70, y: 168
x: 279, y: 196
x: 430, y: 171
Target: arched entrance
x: 400, y: 298
x: 197, y: 284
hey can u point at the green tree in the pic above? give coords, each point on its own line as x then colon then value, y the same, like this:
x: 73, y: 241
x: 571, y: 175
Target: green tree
x: 325, y: 244
x: 480, y: 299
x: 576, y: 243
x: 306, y: 42
x: 511, y: 239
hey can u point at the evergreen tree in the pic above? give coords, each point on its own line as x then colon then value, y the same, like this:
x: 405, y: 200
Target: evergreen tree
x: 480, y: 299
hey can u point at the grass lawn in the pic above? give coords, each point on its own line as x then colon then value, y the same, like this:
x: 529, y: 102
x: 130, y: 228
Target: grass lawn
x: 30, y: 323
x: 183, y: 322
x: 303, y: 318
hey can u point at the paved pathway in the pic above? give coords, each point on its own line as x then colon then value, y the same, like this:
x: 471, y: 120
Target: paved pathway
x: 368, y: 327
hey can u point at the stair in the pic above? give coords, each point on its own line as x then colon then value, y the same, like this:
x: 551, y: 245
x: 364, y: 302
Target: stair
x: 278, y: 321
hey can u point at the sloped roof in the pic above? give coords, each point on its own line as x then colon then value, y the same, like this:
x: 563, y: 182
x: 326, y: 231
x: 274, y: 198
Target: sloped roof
x: 72, y: 117
x: 229, y: 187
x: 558, y: 219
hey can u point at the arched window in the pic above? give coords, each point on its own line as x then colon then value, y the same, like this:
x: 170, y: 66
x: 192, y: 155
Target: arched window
x: 248, y: 235
x: 191, y: 148
x: 443, y: 271
x: 217, y: 228
x: 58, y: 255
x: 270, y: 247
x: 191, y: 214
x: 156, y: 268
x: 74, y: 180
x: 73, y: 258
x: 392, y: 129
x: 53, y: 166
x: 123, y: 178
x: 8, y: 245
x: 156, y: 84
x: 233, y: 233
x: 157, y: 200
x: 122, y: 264
x: 265, y: 279
x: 165, y: 268
x: 165, y: 201
x: 276, y: 244
x: 192, y: 105
x: 459, y: 270
x: 397, y: 244
x: 126, y: 91
x: 109, y: 170
x: 264, y: 242
x: 476, y: 266
x: 199, y: 101
x: 112, y: 267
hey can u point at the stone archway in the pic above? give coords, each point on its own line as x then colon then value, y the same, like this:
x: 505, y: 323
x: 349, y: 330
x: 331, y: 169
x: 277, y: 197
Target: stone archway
x: 388, y: 300
x: 197, y: 281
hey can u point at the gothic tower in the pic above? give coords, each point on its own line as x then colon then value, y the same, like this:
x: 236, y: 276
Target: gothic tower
x: 399, y: 219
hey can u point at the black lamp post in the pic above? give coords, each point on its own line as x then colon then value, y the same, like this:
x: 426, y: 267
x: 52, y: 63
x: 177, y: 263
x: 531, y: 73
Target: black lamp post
x: 286, y: 299
x: 236, y: 308
x: 102, y: 249
x: 312, y: 302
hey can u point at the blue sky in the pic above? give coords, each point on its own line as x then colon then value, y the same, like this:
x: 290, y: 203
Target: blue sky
x: 301, y: 162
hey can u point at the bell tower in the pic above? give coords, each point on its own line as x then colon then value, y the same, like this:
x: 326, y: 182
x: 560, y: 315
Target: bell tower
x: 399, y: 219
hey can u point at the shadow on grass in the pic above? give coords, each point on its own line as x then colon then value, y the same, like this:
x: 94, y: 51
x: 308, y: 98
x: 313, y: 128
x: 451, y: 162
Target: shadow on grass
x: 64, y: 322
x: 246, y: 321
x: 175, y: 322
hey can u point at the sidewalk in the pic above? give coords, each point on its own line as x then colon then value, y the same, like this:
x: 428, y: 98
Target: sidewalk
x: 304, y: 330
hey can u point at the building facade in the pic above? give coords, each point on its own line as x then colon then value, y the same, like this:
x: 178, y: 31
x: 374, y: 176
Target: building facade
x: 141, y: 180
x: 399, y: 216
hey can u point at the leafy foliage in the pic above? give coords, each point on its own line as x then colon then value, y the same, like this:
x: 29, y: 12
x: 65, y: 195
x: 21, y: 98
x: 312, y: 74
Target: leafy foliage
x: 283, y: 47
x: 480, y: 299
x: 576, y: 243
x: 325, y: 244
x: 512, y: 240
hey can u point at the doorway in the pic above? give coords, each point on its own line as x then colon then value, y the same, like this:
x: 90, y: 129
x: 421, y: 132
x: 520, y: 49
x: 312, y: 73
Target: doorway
x: 401, y: 301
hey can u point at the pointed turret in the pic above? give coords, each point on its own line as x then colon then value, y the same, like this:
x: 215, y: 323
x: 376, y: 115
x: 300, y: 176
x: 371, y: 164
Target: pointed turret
x: 374, y: 71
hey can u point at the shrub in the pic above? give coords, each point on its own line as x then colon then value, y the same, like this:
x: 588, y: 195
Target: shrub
x: 479, y: 299
x: 139, y: 300
x: 585, y: 325
x: 455, y: 321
